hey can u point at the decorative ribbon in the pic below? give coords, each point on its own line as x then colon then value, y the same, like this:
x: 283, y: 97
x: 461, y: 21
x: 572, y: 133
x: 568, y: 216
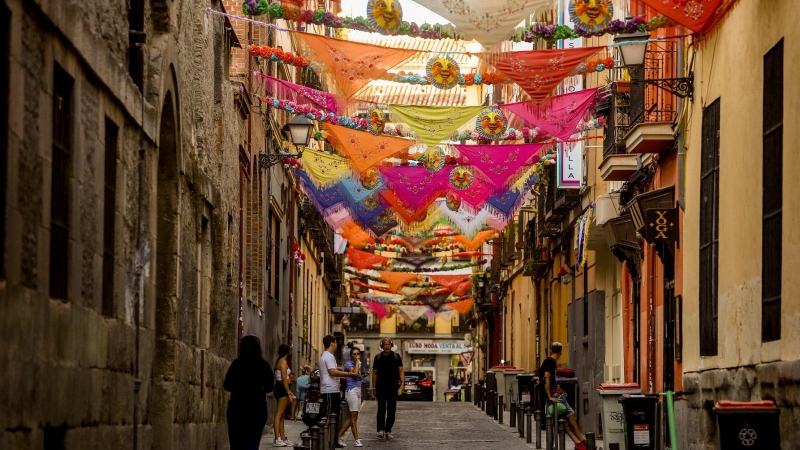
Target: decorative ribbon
x: 299, y: 93
x: 364, y: 260
x: 433, y: 124
x: 559, y: 116
x: 362, y: 148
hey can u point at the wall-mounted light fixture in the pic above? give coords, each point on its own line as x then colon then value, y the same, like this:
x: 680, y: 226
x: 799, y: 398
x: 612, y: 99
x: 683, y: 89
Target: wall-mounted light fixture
x: 298, y: 132
x: 633, y: 48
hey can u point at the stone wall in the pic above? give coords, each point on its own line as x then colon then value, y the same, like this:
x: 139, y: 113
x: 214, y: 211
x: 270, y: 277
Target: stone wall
x: 778, y: 381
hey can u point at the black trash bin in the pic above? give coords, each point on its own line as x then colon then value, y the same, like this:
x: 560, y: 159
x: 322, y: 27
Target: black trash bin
x: 640, y: 421
x: 525, y: 389
x: 491, y: 381
x: 748, y: 425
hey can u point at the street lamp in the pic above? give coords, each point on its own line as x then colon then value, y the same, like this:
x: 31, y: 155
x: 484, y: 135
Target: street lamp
x: 633, y: 49
x: 298, y: 132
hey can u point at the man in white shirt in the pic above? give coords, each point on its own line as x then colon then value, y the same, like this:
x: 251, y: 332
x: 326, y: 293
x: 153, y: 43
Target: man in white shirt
x: 329, y: 377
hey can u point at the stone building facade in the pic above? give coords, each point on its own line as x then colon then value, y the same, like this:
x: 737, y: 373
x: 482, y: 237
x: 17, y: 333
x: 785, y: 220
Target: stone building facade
x: 121, y: 224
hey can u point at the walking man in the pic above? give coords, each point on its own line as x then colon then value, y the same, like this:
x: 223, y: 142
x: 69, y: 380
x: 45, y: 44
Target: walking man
x: 388, y: 379
x: 329, y: 377
x: 550, y: 391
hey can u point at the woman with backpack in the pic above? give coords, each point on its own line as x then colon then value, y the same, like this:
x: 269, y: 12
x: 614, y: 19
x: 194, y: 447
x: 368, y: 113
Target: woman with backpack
x: 249, y: 379
x: 283, y: 395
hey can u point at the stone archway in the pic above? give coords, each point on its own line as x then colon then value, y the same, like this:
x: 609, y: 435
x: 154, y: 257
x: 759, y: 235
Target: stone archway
x: 166, y: 274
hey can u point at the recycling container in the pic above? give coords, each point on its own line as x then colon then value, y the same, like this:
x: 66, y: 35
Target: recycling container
x: 613, y: 420
x: 526, y: 383
x: 506, y: 384
x: 748, y: 425
x: 640, y: 421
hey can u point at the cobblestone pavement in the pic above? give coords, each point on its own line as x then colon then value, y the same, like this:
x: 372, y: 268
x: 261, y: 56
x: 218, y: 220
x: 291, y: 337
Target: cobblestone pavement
x: 432, y: 425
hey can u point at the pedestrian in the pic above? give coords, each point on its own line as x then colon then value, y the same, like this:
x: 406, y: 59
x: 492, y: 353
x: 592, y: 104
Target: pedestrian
x: 301, y: 386
x: 352, y: 395
x: 329, y: 377
x: 290, y: 411
x: 387, y: 383
x: 283, y: 395
x: 549, y: 390
x: 249, y: 379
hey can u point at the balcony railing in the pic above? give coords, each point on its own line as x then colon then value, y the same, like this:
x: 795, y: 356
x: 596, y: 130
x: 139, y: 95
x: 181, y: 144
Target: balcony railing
x: 420, y: 326
x: 617, y: 119
x: 649, y: 104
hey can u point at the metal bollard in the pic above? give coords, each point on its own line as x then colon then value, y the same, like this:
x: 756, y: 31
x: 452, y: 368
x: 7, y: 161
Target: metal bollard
x: 613, y: 446
x: 538, y: 416
x: 512, y: 414
x: 315, y: 443
x: 468, y: 395
x: 495, y: 402
x: 548, y: 433
x: 483, y: 397
x: 298, y: 446
x: 590, y: 440
x: 528, y: 424
x: 489, y: 398
x: 562, y: 434
x: 344, y: 413
x: 521, y: 420
x: 306, y: 440
x: 500, y: 409
x: 332, y: 431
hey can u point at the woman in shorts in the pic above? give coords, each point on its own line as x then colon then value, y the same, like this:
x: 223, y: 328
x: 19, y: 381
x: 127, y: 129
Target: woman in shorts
x: 283, y: 395
x: 352, y: 395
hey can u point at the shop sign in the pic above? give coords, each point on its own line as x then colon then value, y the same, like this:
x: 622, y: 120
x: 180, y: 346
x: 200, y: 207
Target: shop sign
x: 569, y: 164
x: 448, y: 348
x: 661, y: 225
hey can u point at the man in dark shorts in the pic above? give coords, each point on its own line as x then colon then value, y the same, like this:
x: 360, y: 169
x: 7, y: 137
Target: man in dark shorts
x: 388, y: 379
x: 549, y: 390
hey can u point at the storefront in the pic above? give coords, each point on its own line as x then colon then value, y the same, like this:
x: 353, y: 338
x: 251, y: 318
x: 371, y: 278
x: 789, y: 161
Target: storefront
x: 441, y: 360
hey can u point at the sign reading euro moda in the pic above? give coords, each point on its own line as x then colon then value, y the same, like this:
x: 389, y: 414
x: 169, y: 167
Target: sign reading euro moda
x: 450, y: 348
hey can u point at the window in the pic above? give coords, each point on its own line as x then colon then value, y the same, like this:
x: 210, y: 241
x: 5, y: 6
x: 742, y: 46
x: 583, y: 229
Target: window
x: 109, y: 209
x: 273, y: 261
x: 59, y: 211
x: 772, y: 195
x: 5, y: 24
x: 136, y: 40
x: 709, y: 230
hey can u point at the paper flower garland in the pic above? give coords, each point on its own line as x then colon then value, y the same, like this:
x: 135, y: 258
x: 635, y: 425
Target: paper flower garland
x: 591, y: 16
x: 385, y: 16
x: 433, y: 159
x: 298, y: 256
x: 376, y: 122
x: 461, y: 178
x: 443, y: 72
x: 491, y: 124
x: 453, y: 201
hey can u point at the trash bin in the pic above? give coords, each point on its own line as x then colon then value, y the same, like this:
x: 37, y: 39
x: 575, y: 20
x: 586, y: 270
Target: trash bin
x: 640, y: 421
x: 525, y: 386
x: 613, y: 420
x: 491, y: 381
x: 509, y: 390
x: 570, y: 387
x: 748, y: 425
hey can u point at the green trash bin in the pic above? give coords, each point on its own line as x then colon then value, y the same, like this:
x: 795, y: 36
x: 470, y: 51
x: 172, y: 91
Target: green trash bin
x: 640, y: 421
x: 748, y: 425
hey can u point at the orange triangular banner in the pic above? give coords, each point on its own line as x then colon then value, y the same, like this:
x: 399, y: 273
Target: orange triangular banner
x: 355, y: 235
x: 476, y: 242
x: 363, y: 149
x: 364, y: 260
x: 462, y: 306
x: 396, y: 280
x: 448, y: 281
x: 354, y: 64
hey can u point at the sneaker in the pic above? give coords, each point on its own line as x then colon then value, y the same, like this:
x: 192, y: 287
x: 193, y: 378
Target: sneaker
x: 389, y: 435
x: 358, y: 443
x: 580, y: 446
x: 381, y: 435
x: 278, y: 443
x: 341, y: 442
x: 287, y: 443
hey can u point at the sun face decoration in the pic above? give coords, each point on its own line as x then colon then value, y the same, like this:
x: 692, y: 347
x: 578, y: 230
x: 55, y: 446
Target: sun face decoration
x: 370, y: 178
x: 385, y: 16
x: 491, y: 124
x: 461, y: 178
x: 433, y: 159
x: 453, y: 202
x: 591, y: 16
x: 443, y: 72
x: 376, y: 122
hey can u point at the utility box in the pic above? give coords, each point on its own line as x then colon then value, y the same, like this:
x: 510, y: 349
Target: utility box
x: 613, y: 418
x: 748, y: 425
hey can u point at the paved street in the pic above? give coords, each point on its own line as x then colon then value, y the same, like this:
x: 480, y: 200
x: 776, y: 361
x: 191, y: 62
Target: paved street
x: 437, y: 425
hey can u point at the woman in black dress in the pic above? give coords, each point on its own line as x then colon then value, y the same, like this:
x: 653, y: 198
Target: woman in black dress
x: 249, y: 379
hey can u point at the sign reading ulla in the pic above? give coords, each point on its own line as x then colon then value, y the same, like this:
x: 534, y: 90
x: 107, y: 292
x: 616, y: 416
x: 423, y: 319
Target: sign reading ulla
x: 569, y: 165
x: 450, y: 348
x: 661, y: 225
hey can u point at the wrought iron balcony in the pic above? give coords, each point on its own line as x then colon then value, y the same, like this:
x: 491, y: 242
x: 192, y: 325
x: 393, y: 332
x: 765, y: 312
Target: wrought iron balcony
x: 617, y: 118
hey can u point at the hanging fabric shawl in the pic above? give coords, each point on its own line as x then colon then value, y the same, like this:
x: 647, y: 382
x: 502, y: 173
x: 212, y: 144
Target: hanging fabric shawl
x: 299, y: 94
x: 462, y: 306
x: 448, y: 281
x: 487, y: 22
x: 469, y: 223
x: 434, y: 301
x: 355, y: 235
x: 410, y: 293
x: 475, y: 242
x: 415, y: 186
x: 323, y: 199
x: 416, y: 261
x: 380, y: 310
x: 324, y: 169
x: 461, y: 288
x: 396, y: 280
x: 384, y: 299
x: 338, y: 219
x: 433, y: 124
x: 414, y: 242
x: 363, y: 149
x: 411, y: 313
x: 364, y: 260
x: 696, y: 15
x: 405, y: 212
x: 353, y: 64
x: 538, y: 72
x: 339, y: 244
x: 559, y: 115
x: 477, y: 195
x: 506, y: 205
x: 502, y: 165
x: 382, y: 223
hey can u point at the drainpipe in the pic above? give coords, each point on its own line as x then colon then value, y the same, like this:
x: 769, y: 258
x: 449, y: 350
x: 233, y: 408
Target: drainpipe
x: 681, y: 132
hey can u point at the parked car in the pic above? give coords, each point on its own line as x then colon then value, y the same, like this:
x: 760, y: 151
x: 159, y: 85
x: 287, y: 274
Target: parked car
x: 418, y: 387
